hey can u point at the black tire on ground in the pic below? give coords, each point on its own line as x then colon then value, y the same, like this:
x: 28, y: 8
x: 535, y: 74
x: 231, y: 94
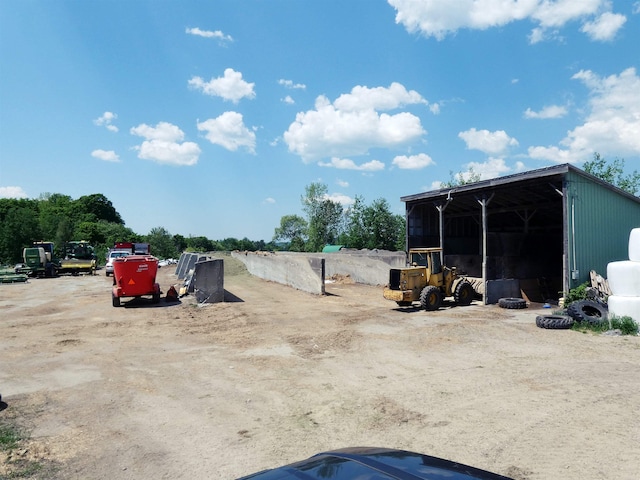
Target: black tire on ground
x: 555, y: 322
x: 115, y: 300
x: 106, y: 274
x: 464, y: 293
x: 155, y: 298
x: 512, y: 303
x: 431, y: 298
x: 587, y: 311
x: 404, y: 304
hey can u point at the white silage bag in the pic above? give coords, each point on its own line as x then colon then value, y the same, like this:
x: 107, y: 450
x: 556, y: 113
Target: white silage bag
x: 624, y: 278
x: 624, y: 307
x: 634, y: 245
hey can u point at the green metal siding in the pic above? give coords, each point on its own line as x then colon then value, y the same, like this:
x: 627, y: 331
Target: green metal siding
x: 603, y: 221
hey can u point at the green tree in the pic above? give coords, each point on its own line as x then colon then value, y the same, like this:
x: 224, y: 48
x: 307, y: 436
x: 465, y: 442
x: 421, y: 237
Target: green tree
x: 108, y: 234
x: 374, y: 226
x: 324, y: 217
x: 200, y: 244
x: 56, y: 209
x: 293, y: 230
x: 355, y: 234
x: 180, y: 243
x: 99, y: 207
x: 161, y: 243
x: 19, y: 227
x: 613, y: 173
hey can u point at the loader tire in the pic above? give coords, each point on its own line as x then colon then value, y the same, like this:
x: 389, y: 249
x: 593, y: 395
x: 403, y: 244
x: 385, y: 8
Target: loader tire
x: 554, y: 322
x: 587, y: 311
x: 512, y: 303
x: 431, y: 298
x: 464, y: 293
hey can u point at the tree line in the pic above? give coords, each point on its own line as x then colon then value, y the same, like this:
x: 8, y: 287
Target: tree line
x: 93, y: 218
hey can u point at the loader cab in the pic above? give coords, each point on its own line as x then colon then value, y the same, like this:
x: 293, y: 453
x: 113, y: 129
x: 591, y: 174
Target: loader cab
x: 430, y: 258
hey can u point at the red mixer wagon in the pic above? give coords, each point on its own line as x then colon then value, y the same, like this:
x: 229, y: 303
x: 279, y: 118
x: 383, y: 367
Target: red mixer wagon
x: 135, y: 276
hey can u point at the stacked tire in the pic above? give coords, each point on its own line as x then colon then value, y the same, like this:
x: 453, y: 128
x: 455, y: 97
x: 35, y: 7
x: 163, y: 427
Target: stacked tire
x: 587, y: 311
x: 624, y: 281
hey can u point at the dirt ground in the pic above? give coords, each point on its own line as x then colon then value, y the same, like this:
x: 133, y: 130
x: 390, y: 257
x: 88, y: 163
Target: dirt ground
x: 273, y: 375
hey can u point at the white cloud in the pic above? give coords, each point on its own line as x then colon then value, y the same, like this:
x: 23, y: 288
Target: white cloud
x: 413, y: 162
x: 491, y: 143
x: 604, y: 27
x: 105, y: 121
x: 352, y: 125
x: 343, y: 200
x: 228, y: 130
x: 439, y: 18
x: 162, y: 145
x: 347, y: 164
x: 342, y: 183
x: 105, y: 155
x: 269, y: 200
x: 217, y: 34
x: 492, y: 168
x: 230, y: 87
x: 550, y: 111
x: 636, y: 8
x: 12, y: 192
x: 612, y: 125
x: 290, y: 84
x: 288, y: 100
x: 378, y: 98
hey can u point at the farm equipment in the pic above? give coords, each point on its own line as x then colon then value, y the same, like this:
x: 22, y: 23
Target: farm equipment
x: 8, y: 275
x: 78, y: 257
x: 428, y: 281
x: 133, y: 248
x: 39, y: 259
x: 135, y: 276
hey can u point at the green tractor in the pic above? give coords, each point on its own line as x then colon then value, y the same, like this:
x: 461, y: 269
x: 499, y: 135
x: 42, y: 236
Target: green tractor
x: 428, y: 281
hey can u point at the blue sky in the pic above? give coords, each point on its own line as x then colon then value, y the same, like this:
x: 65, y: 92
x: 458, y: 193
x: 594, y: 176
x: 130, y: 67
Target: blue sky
x: 210, y: 118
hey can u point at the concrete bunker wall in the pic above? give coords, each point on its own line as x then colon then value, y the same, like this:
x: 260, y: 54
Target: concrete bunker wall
x: 298, y: 271
x: 302, y: 271
x: 307, y: 271
x: 370, y: 267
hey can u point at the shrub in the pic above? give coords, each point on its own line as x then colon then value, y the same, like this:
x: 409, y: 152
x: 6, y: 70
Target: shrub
x: 625, y: 324
x: 575, y: 294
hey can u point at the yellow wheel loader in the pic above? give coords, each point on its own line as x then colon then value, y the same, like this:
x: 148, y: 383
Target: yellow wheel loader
x: 428, y: 281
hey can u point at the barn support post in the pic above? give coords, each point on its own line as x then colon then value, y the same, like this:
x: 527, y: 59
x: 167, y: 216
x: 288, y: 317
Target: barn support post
x: 441, y: 208
x: 484, y: 203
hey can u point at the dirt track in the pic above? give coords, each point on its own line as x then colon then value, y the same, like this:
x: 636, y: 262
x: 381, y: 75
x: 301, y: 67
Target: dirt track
x: 218, y: 391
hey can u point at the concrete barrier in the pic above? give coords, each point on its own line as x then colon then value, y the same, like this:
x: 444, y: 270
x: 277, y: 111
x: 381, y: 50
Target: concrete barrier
x: 298, y: 271
x: 208, y: 280
x: 186, y: 263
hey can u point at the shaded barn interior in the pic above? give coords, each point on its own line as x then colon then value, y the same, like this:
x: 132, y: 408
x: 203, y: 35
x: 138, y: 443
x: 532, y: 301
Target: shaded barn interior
x: 524, y: 217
